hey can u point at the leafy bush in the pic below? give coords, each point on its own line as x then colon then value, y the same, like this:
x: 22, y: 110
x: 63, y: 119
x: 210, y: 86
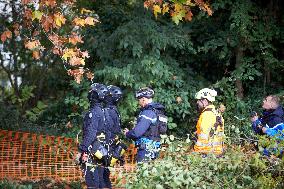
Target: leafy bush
x: 181, y: 169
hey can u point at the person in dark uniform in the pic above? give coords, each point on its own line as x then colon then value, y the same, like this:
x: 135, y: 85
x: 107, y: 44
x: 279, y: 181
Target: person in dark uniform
x: 111, y: 100
x: 273, y: 114
x: 92, y: 147
x: 150, y: 124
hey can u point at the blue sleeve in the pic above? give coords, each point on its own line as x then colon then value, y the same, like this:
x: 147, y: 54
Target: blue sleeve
x: 255, y: 127
x: 276, y: 131
x: 116, y: 120
x: 89, y: 131
x: 271, y: 132
x: 146, y: 118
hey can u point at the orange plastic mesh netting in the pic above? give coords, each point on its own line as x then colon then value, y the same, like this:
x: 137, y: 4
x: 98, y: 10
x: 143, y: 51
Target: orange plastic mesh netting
x: 30, y: 156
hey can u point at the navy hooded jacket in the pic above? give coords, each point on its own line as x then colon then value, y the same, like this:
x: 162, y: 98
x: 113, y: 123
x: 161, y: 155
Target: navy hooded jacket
x: 93, y: 123
x: 146, y: 118
x: 113, y: 120
x: 269, y: 119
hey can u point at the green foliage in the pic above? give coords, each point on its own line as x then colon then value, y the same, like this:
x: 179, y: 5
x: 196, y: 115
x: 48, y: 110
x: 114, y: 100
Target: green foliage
x: 39, y: 184
x: 35, y: 112
x: 180, y: 169
x: 13, y: 185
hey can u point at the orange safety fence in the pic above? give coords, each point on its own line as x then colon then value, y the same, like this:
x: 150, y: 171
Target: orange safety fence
x: 30, y: 156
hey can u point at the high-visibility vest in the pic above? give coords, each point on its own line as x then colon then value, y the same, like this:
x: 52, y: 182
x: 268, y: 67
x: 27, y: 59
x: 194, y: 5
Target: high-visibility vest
x: 210, y: 135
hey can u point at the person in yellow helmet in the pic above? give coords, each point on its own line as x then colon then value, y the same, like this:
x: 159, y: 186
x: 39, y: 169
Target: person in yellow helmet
x: 210, y: 125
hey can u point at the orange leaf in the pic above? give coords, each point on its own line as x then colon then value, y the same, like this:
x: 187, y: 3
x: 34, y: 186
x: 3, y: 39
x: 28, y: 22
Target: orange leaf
x: 188, y: 16
x: 24, y: 2
x: 36, y: 55
x: 90, y: 76
x: 75, y: 39
x: 74, y: 61
x: 16, y: 29
x: 165, y: 8
x: 83, y: 10
x: 5, y: 35
x: 51, y: 3
x: 148, y: 4
x: 68, y: 53
x: 16, y: 32
x: 56, y: 50
x: 90, y: 21
x: 59, y: 19
x: 28, y: 14
x: 85, y: 54
x: 47, y: 23
x: 56, y: 40
x: 32, y: 44
x: 77, y: 74
x: 79, y: 22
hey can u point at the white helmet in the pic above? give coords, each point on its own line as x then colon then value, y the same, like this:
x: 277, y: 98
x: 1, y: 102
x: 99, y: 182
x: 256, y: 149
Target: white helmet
x: 207, y: 93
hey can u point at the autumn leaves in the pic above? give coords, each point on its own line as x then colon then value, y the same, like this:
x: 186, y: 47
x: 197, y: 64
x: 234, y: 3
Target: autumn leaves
x: 61, y: 23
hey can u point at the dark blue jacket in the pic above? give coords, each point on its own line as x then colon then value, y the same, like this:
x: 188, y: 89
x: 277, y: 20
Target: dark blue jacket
x: 114, y: 114
x: 93, y: 123
x: 113, y: 120
x: 277, y: 131
x: 269, y: 119
x: 146, y: 118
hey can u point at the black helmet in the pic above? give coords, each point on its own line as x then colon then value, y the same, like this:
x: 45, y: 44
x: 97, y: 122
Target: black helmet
x: 115, y: 93
x: 98, y: 92
x: 144, y: 92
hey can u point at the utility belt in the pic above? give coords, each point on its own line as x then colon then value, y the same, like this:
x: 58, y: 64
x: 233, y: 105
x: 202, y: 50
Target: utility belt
x: 145, y: 143
x: 107, y: 154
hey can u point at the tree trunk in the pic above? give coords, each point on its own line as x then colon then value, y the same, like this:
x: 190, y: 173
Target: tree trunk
x: 239, y: 84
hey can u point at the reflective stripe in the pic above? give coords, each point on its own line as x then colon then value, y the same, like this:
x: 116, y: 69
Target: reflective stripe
x: 152, y: 120
x: 220, y: 134
x: 198, y: 143
x: 217, y: 143
x: 163, y: 119
x: 203, y: 136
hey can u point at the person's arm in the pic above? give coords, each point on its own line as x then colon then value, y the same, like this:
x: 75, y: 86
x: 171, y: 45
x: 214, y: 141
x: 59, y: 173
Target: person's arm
x: 257, y: 126
x: 90, y: 130
x: 278, y: 130
x: 146, y: 118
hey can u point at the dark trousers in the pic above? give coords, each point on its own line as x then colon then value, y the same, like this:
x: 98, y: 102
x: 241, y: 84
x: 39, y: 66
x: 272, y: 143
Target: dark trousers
x: 99, y: 178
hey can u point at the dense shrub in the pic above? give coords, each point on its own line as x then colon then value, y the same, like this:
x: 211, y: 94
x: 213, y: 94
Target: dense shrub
x: 238, y: 168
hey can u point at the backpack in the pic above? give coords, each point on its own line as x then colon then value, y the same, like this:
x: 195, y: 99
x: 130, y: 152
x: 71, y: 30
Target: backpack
x: 158, y: 128
x: 162, y: 121
x: 218, y: 122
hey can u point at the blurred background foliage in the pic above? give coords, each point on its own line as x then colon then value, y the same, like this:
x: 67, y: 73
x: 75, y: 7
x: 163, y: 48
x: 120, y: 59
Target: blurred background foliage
x: 238, y: 51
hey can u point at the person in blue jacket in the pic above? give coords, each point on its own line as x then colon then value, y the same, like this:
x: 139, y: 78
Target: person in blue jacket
x: 271, y: 122
x: 94, y: 129
x: 273, y: 114
x: 277, y: 131
x: 111, y: 101
x: 146, y: 132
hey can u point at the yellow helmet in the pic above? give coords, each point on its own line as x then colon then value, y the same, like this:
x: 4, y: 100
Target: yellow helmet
x: 207, y: 93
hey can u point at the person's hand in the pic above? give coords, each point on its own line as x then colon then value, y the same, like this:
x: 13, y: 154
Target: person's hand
x: 125, y: 131
x: 254, y: 118
x: 264, y: 129
x: 84, y: 157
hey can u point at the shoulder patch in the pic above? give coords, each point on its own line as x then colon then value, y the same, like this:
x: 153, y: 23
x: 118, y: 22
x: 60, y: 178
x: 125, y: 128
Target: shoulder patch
x: 90, y: 115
